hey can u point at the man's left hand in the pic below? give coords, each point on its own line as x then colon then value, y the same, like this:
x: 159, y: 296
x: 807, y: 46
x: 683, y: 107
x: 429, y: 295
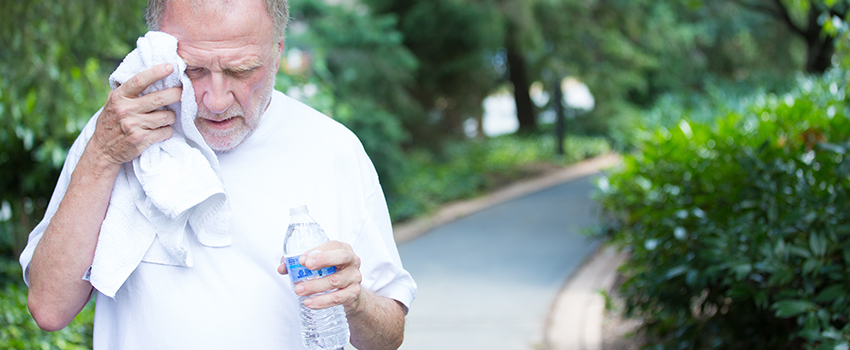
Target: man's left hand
x: 346, y: 280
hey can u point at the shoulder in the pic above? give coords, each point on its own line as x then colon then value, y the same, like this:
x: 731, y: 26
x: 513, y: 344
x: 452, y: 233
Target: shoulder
x: 304, y: 123
x: 319, y: 138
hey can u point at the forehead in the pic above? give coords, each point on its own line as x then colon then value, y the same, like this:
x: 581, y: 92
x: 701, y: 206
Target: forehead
x: 236, y: 30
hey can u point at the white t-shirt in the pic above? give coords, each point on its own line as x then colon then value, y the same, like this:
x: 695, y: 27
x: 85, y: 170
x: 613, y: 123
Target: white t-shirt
x: 233, y: 297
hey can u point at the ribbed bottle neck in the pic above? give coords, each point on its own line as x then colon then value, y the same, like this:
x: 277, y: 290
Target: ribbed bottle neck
x: 302, y: 210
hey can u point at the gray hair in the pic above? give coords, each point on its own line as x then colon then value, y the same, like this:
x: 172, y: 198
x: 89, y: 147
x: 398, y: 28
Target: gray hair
x: 278, y: 11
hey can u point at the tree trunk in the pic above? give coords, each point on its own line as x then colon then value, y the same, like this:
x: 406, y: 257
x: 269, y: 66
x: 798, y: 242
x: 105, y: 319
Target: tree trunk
x: 557, y: 97
x: 519, y: 78
x: 820, y: 47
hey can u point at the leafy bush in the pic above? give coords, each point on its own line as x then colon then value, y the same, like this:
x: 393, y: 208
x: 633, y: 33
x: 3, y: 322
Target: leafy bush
x: 54, y: 55
x: 717, y: 97
x: 739, y: 230
x: 19, y: 331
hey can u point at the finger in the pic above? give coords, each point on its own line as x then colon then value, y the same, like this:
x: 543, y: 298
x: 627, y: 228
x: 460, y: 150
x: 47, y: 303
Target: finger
x: 161, y: 98
x: 331, y: 254
x: 338, y: 258
x: 322, y: 247
x: 141, y: 81
x: 339, y: 297
x: 157, y: 135
x: 157, y: 119
x: 281, y: 269
x: 342, y: 279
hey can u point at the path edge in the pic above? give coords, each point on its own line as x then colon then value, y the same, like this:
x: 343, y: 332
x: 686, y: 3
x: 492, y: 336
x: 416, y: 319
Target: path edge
x: 407, y: 231
x: 575, y: 320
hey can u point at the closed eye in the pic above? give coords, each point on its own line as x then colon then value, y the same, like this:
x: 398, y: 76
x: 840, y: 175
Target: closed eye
x: 240, y: 72
x: 194, y: 71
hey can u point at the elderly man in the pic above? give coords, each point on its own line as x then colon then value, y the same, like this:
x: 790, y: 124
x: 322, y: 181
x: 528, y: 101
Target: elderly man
x: 274, y: 153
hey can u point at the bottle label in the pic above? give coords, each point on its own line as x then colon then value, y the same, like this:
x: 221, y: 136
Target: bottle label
x: 298, y: 273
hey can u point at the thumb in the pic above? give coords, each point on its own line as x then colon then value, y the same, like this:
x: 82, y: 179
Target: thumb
x: 281, y: 269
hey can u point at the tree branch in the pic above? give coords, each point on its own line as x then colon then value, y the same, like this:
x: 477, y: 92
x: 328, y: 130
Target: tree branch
x: 779, y: 12
x: 770, y: 11
x: 840, y: 9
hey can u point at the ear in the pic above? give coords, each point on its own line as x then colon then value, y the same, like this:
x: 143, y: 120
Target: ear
x: 280, y: 45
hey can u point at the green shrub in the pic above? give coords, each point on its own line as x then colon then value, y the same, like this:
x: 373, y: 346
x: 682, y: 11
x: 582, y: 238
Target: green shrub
x: 19, y: 331
x: 739, y: 231
x: 715, y: 98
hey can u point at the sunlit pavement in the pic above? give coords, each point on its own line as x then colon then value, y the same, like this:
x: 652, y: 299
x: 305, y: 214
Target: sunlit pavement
x: 489, y: 280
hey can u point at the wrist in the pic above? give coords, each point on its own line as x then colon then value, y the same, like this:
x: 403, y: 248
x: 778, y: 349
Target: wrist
x: 360, y: 305
x: 97, y: 162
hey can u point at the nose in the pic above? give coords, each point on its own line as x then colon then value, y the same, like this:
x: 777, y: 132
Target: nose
x: 217, y: 96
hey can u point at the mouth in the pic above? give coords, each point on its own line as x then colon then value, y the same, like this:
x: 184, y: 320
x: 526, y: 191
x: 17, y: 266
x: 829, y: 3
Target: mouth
x: 220, y: 124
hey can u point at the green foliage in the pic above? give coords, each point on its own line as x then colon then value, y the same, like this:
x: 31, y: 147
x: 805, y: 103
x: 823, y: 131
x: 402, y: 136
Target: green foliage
x: 19, y: 331
x: 453, y: 41
x: 52, y: 79
x: 810, y: 22
x: 842, y: 41
x: 470, y: 168
x: 633, y: 53
x: 718, y: 98
x: 357, y: 72
x: 739, y: 228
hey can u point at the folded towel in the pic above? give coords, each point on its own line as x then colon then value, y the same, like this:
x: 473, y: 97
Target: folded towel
x: 173, y: 188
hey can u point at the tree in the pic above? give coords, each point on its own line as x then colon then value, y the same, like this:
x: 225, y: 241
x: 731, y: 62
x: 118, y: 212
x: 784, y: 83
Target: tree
x: 806, y: 19
x: 613, y: 46
x: 453, y: 41
x: 522, y: 46
x: 359, y: 73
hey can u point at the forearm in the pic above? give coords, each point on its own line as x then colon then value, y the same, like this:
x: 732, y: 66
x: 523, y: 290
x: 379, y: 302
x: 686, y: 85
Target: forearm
x: 57, y: 292
x: 379, y: 324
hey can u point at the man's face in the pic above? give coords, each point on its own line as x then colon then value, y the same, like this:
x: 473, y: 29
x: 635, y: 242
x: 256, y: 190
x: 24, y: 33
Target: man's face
x: 232, y: 58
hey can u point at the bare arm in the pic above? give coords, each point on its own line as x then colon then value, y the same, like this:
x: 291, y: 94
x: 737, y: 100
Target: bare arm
x: 125, y: 127
x: 379, y: 324
x: 376, y: 322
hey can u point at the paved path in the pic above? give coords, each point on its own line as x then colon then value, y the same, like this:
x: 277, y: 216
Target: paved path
x: 490, y: 279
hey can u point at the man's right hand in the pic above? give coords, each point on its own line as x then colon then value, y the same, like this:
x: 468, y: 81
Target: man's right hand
x: 126, y: 126
x: 129, y: 123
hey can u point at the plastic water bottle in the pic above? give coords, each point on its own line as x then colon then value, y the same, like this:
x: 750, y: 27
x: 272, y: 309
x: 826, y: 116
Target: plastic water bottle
x: 320, y: 329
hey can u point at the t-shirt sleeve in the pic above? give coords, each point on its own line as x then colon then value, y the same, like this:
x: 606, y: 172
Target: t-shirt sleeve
x: 58, y: 193
x: 382, y: 271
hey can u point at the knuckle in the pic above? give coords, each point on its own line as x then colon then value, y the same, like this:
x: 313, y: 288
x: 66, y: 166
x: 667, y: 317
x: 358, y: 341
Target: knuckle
x: 111, y: 98
x: 161, y: 99
x: 121, y: 109
x: 128, y: 127
x: 334, y: 280
x: 135, y: 137
x: 168, y: 118
x: 135, y: 82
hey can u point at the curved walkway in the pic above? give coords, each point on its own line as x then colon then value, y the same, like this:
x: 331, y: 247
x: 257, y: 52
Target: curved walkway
x: 493, y: 269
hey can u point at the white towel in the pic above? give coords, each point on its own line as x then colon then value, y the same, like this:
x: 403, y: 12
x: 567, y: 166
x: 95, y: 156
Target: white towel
x: 173, y: 188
